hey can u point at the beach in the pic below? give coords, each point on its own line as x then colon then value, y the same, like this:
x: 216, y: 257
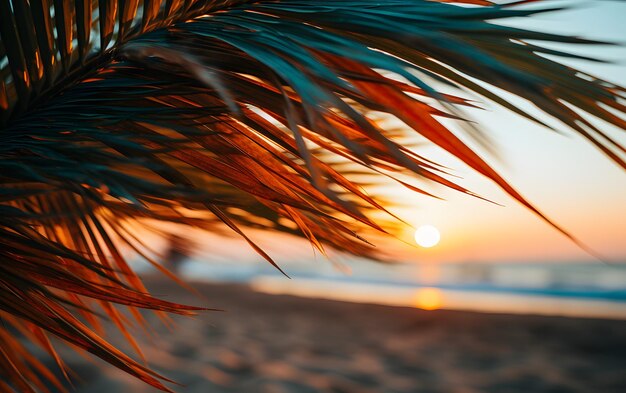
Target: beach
x: 287, y: 344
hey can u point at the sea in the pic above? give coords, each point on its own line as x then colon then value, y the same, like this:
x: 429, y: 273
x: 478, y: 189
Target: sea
x: 569, y: 289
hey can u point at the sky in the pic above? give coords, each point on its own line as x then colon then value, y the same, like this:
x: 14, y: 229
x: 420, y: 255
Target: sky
x: 563, y: 175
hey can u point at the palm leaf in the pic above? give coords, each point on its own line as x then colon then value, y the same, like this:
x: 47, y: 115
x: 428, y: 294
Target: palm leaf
x: 246, y: 113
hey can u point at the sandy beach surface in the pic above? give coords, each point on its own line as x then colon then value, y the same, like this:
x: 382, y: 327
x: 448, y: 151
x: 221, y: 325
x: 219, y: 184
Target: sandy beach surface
x: 285, y: 344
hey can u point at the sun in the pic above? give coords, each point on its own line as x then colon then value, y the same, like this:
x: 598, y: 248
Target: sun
x: 427, y: 236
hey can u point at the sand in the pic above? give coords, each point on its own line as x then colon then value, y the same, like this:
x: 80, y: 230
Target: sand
x: 276, y: 343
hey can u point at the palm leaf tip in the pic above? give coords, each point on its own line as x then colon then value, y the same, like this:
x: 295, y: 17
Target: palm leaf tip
x: 248, y: 114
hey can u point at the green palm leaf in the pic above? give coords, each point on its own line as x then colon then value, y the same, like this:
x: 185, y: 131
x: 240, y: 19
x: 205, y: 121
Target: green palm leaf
x: 242, y: 112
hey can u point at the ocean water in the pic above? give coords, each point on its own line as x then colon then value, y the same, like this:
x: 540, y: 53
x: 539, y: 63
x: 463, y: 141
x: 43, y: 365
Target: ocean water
x: 594, y: 289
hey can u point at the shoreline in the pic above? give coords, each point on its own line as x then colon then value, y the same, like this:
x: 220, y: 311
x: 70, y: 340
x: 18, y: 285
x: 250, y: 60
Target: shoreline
x: 438, y: 297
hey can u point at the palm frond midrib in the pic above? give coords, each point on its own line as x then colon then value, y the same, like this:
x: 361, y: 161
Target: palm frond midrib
x: 81, y: 63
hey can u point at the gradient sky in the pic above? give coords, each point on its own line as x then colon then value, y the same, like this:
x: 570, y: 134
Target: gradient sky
x: 565, y: 177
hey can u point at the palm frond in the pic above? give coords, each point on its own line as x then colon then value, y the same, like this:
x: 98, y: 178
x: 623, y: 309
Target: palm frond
x: 117, y: 112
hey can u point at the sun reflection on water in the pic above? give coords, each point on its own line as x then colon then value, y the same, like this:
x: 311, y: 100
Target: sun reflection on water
x: 428, y: 298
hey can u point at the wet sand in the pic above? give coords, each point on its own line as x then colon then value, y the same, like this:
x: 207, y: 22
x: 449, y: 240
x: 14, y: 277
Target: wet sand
x: 277, y: 343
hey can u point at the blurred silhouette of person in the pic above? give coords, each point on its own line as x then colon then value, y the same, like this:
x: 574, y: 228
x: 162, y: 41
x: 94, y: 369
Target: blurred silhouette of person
x: 178, y: 250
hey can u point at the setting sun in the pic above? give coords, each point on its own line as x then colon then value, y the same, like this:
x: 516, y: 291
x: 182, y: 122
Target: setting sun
x: 427, y: 236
